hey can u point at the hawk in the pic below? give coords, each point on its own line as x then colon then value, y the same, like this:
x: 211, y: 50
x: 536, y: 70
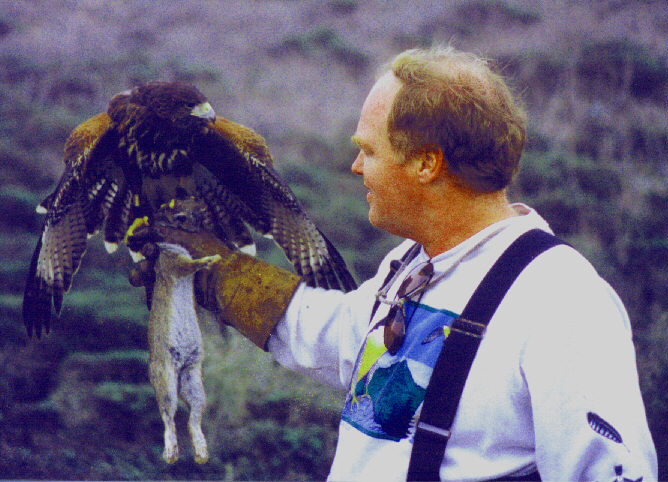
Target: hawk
x: 157, y: 142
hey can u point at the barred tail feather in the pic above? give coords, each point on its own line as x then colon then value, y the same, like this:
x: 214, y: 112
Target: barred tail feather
x: 36, y: 299
x: 118, y: 219
x: 221, y: 205
x: 100, y: 199
x: 314, y: 257
x: 56, y: 259
x: 346, y: 280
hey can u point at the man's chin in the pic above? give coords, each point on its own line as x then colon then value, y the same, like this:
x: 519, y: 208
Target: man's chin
x: 377, y: 221
x: 372, y: 217
x: 395, y: 228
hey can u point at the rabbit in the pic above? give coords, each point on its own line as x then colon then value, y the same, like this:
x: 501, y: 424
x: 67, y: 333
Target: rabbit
x: 175, y: 346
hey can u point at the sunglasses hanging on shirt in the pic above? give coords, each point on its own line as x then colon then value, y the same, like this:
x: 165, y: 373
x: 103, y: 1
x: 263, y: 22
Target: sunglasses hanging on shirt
x: 412, y: 288
x: 414, y: 285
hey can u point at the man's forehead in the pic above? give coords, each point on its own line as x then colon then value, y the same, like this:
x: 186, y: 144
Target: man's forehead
x: 383, y: 92
x: 376, y: 107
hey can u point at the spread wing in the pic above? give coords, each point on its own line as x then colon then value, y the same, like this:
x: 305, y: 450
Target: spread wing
x: 77, y: 208
x: 240, y: 162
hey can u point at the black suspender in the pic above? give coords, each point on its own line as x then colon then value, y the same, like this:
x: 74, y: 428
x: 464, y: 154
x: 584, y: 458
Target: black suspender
x: 453, y: 365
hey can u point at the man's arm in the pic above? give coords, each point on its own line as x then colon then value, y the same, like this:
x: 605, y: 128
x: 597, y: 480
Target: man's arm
x: 317, y: 332
x: 580, y: 369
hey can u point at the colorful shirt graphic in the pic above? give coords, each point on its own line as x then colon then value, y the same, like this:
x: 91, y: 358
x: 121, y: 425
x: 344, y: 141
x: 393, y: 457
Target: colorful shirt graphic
x: 387, y: 391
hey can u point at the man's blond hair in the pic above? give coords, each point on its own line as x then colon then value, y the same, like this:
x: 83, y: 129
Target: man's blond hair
x: 453, y: 100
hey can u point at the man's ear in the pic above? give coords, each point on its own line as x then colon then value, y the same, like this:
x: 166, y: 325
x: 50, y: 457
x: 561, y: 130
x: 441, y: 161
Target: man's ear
x: 431, y: 164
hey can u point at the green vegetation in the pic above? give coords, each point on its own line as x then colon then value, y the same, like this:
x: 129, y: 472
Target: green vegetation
x: 327, y: 41
x: 483, y: 10
x: 77, y: 404
x: 620, y: 64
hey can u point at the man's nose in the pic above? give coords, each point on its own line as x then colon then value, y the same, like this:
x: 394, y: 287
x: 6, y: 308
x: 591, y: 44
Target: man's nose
x: 358, y: 165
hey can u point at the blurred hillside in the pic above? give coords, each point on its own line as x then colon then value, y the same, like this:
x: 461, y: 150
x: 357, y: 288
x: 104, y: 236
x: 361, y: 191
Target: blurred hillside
x: 77, y: 405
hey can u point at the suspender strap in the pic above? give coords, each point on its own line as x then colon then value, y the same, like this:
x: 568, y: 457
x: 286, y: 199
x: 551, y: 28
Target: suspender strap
x: 454, y: 363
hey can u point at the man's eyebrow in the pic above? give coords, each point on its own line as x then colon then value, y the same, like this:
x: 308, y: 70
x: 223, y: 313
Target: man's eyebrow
x: 359, y: 142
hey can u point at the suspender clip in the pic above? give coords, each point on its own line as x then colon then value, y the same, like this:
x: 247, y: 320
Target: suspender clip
x: 434, y: 430
x: 468, y: 327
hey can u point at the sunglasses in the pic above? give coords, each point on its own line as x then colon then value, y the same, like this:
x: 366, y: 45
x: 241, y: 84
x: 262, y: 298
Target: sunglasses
x: 395, y: 322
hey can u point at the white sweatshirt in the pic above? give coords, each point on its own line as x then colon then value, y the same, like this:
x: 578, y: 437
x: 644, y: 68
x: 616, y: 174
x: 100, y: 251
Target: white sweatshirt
x: 554, y: 384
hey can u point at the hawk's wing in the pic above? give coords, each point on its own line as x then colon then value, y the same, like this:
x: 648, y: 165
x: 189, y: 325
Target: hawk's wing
x: 77, y: 208
x: 239, y: 159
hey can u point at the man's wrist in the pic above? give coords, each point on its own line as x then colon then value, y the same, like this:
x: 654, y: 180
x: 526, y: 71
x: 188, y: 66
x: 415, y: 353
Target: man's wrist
x: 253, y: 296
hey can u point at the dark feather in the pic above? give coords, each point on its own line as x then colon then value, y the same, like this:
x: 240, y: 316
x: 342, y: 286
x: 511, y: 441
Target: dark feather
x: 118, y: 219
x: 258, y: 195
x: 36, y: 299
x: 603, y: 428
x: 346, y: 280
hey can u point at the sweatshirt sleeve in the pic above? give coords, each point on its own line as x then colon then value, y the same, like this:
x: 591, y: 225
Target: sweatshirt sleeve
x: 322, y: 330
x: 580, y: 368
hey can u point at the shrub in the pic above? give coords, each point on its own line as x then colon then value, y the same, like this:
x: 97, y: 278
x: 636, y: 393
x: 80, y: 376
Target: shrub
x: 605, y: 65
x: 324, y: 41
x: 480, y: 11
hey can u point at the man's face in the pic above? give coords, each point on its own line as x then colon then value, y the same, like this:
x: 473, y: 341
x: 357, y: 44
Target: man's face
x: 386, y: 176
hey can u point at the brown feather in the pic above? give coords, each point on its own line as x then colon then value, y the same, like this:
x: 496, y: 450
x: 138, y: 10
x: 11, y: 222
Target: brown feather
x: 245, y: 138
x: 84, y: 139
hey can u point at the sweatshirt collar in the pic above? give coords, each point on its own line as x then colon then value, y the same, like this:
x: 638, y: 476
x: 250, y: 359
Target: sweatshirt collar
x: 504, y: 231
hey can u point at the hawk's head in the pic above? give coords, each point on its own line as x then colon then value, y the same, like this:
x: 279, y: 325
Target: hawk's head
x: 178, y: 102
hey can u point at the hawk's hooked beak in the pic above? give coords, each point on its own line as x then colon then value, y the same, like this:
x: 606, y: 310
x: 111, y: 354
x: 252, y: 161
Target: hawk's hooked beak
x: 119, y: 96
x: 205, y: 111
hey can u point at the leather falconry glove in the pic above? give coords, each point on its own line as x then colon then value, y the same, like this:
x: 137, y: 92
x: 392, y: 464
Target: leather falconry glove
x: 245, y: 292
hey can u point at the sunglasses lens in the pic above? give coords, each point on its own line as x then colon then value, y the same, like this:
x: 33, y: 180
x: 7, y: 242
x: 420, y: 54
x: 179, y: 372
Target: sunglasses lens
x: 427, y: 271
x: 395, y: 322
x: 417, y: 278
x: 395, y: 331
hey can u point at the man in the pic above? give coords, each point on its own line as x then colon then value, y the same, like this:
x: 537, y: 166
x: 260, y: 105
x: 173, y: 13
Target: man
x: 553, y: 386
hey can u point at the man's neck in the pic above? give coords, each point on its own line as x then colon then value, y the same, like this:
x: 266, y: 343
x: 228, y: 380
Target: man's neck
x: 456, y: 219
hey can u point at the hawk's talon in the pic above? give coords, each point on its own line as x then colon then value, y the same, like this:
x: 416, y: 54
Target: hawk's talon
x: 136, y: 224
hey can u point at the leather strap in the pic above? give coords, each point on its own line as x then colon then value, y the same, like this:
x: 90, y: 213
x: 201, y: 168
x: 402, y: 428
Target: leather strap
x: 454, y: 363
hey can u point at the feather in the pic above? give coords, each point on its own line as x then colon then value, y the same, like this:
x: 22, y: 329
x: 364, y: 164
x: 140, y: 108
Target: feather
x: 37, y: 299
x: 601, y: 427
